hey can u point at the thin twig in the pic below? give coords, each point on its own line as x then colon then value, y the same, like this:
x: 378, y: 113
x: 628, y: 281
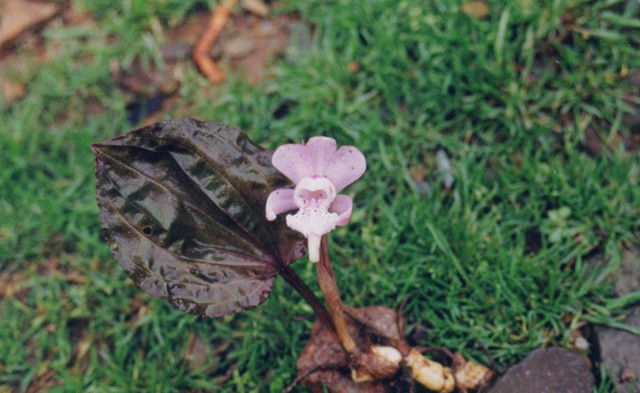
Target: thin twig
x: 422, y: 348
x: 494, y: 368
x: 218, y: 20
x: 399, y: 319
x: 322, y: 367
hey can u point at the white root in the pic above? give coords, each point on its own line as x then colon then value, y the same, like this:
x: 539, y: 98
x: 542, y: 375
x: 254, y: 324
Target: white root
x: 384, y: 355
x: 430, y: 374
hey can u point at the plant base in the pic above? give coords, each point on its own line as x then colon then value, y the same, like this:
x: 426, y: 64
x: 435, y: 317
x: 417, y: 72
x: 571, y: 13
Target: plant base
x: 325, y: 364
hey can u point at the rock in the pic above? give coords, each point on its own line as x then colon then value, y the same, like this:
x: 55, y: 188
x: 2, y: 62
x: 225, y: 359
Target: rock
x: 619, y: 350
x: 627, y: 278
x: 620, y: 353
x: 547, y: 370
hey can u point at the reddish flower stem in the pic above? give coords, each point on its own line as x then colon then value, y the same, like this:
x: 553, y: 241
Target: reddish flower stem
x: 329, y: 288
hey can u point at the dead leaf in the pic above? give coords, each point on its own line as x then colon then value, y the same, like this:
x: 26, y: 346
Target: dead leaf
x: 577, y: 341
x: 196, y: 354
x: 20, y: 15
x: 143, y: 81
x: 13, y: 285
x: 626, y: 375
x: 476, y: 9
x: 43, y: 381
x: 418, y: 173
x: 324, y: 350
x: 257, y: 7
x: 74, y: 17
x: 82, y: 348
x: 251, y: 43
x: 238, y: 47
x: 382, y: 321
x: 11, y: 91
x: 247, y: 44
x: 592, y: 142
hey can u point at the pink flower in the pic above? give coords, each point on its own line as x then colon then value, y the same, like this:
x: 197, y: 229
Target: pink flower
x: 319, y: 172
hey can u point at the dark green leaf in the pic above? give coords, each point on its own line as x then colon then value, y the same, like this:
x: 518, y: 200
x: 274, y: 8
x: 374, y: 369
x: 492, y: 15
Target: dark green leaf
x: 182, y: 207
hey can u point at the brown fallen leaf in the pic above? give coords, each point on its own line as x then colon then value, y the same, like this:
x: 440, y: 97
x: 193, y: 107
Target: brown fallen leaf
x: 592, y: 142
x: 626, y: 375
x: 13, y: 285
x: 270, y: 38
x: 418, y: 172
x: 196, y: 354
x: 476, y: 9
x: 325, y: 354
x: 257, y: 7
x: 17, y: 16
x: 43, y: 380
x: 11, y: 91
x: 383, y: 322
x: 144, y: 82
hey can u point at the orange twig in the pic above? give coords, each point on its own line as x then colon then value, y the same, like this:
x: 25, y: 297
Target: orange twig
x: 218, y: 20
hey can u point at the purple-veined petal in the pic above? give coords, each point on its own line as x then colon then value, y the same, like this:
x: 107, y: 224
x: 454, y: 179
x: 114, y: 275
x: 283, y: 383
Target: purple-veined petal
x: 321, y: 149
x: 342, y: 205
x: 345, y: 167
x: 279, y: 201
x: 293, y: 161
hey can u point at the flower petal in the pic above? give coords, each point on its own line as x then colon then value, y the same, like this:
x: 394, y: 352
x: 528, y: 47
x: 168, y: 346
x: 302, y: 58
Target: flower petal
x: 342, y: 205
x: 312, y: 221
x: 321, y: 149
x: 293, y: 161
x: 346, y: 166
x: 279, y: 201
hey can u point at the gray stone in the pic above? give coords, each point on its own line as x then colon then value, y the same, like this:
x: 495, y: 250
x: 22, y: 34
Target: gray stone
x: 627, y: 278
x: 620, y: 353
x: 619, y: 350
x: 547, y: 370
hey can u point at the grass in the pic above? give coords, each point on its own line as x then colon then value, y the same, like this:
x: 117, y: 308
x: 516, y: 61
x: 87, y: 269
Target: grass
x: 501, y: 259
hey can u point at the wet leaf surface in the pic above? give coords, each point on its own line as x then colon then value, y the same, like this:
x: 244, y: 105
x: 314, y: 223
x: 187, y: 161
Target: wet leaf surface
x: 182, y: 207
